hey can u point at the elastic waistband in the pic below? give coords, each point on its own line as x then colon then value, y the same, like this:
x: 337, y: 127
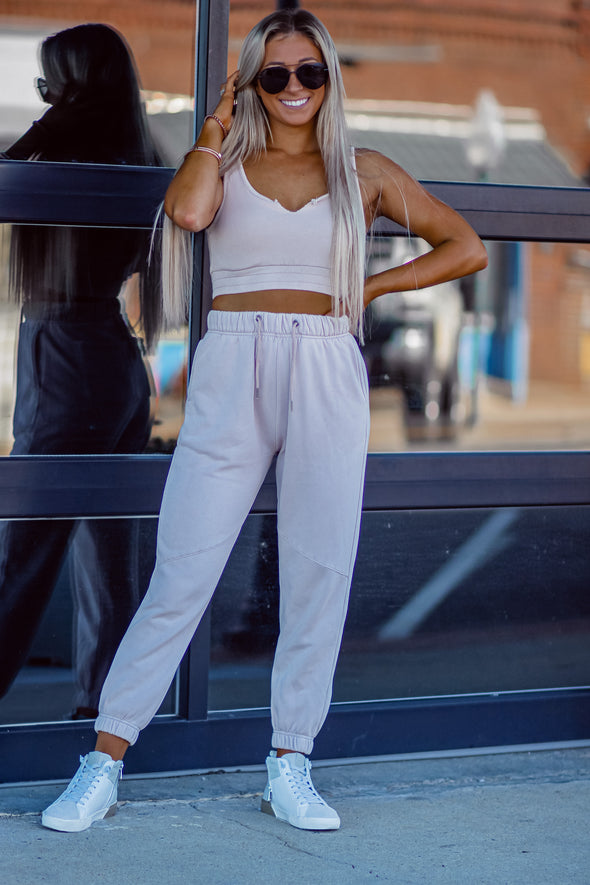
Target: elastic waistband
x: 250, y: 322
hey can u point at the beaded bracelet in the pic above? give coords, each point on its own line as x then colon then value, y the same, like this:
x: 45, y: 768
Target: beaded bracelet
x: 206, y: 150
x: 224, y: 128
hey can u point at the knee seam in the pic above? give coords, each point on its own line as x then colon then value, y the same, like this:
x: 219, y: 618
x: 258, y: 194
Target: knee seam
x: 313, y: 559
x: 167, y: 559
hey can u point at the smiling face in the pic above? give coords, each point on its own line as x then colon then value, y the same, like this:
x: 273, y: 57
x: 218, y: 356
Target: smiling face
x: 295, y: 105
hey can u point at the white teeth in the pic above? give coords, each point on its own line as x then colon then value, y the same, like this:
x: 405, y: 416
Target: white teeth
x: 295, y: 104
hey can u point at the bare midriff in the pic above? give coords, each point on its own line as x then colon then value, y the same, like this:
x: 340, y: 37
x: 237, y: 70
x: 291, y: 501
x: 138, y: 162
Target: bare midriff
x: 276, y: 301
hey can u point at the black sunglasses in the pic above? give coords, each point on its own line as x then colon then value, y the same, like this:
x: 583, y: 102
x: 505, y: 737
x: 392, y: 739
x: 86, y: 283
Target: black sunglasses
x: 41, y: 87
x: 275, y: 78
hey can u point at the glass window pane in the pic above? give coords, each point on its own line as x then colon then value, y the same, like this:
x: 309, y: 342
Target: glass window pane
x: 68, y: 591
x: 465, y: 92
x: 459, y: 602
x: 244, y: 621
x: 497, y: 361
x: 161, y: 50
x: 75, y: 377
x: 442, y: 603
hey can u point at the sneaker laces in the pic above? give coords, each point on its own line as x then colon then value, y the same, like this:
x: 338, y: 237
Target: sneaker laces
x: 301, y: 785
x: 84, y: 782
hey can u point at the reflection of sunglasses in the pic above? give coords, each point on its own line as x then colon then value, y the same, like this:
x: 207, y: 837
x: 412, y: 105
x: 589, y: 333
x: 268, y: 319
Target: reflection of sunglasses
x: 275, y: 78
x: 41, y: 87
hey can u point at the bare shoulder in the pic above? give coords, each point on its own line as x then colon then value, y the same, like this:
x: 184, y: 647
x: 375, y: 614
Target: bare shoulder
x: 392, y: 192
x: 378, y: 176
x: 375, y: 167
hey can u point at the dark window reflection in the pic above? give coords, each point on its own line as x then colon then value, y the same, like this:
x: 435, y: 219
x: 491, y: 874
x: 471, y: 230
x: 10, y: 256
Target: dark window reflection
x: 442, y: 603
x: 82, y: 385
x: 95, y: 115
x: 81, y: 380
x: 454, y: 602
x: 245, y: 619
x: 69, y: 592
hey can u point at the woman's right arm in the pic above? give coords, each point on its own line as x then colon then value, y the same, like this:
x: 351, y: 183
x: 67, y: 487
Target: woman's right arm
x: 195, y: 193
x: 52, y: 128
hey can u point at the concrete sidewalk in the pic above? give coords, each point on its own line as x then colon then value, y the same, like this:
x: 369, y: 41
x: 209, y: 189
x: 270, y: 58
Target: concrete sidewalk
x: 500, y: 819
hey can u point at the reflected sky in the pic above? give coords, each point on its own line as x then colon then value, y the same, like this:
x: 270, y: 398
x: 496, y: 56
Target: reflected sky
x: 19, y: 103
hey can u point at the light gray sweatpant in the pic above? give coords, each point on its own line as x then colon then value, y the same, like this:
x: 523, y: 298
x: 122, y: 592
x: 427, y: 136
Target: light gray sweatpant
x: 263, y: 384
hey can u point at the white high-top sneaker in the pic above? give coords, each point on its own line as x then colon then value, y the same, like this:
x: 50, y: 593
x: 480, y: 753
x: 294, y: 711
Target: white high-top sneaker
x: 91, y: 795
x: 291, y: 796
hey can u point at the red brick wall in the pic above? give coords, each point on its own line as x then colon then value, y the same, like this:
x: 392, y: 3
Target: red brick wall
x: 160, y: 32
x: 558, y: 286
x: 531, y: 53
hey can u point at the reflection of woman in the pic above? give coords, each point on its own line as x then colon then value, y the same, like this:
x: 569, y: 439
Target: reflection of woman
x: 81, y: 382
x: 278, y: 374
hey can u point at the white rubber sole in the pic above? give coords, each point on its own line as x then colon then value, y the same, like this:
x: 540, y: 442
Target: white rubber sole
x: 76, y: 826
x: 312, y: 823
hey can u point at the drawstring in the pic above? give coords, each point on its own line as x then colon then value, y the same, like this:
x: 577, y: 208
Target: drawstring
x: 257, y: 340
x: 294, y: 342
x: 295, y: 338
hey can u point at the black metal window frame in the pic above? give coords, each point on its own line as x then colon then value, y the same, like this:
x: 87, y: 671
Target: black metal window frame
x: 121, y: 486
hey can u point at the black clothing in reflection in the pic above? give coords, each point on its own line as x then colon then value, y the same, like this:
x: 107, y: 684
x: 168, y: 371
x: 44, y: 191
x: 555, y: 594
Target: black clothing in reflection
x: 108, y: 571
x: 82, y: 386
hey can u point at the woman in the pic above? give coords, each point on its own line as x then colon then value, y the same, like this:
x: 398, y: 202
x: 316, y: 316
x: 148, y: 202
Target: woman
x: 286, y: 203
x: 82, y: 386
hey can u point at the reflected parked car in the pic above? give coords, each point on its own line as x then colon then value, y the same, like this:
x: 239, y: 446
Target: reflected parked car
x: 412, y: 342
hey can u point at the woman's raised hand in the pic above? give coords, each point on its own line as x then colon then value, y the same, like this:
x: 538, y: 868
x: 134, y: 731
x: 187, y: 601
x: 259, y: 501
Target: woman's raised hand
x: 195, y: 193
x: 225, y: 106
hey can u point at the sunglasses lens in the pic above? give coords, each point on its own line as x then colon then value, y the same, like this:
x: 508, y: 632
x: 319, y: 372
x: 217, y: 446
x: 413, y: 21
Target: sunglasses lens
x: 41, y: 85
x: 273, y: 79
x: 312, y: 76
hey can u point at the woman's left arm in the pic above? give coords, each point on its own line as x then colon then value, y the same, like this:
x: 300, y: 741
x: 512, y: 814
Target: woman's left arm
x: 456, y: 248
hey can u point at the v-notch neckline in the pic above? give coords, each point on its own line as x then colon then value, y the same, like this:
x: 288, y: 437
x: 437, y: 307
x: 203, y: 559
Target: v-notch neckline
x: 274, y: 201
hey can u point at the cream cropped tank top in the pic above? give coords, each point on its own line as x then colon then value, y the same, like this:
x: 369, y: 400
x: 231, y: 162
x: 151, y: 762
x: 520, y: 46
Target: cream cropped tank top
x: 256, y: 244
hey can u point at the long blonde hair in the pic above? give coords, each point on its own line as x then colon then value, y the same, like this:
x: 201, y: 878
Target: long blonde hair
x: 248, y: 137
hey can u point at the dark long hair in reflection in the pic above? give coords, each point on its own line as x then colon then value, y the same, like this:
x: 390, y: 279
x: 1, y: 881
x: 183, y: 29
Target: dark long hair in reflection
x: 81, y: 382
x: 96, y: 116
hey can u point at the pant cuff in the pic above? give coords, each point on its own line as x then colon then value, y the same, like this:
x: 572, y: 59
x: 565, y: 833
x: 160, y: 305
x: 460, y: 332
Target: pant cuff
x: 297, y: 743
x: 117, y: 727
